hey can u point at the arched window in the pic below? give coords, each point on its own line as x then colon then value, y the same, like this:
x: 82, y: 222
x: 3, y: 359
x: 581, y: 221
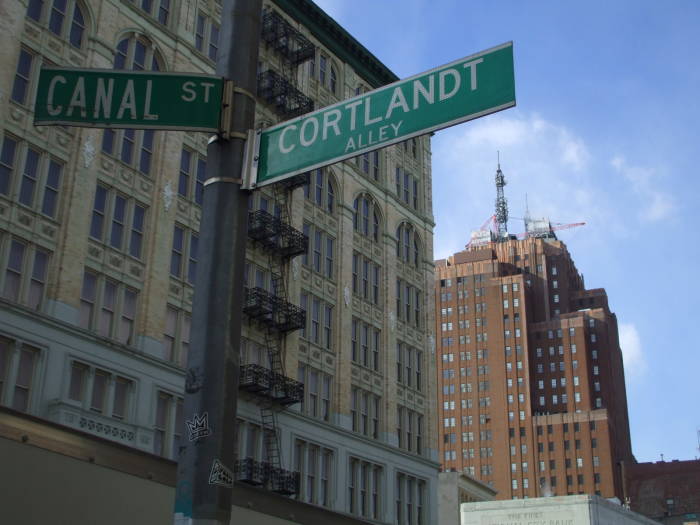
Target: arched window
x: 333, y: 85
x: 326, y: 73
x: 322, y: 66
x: 366, y: 217
x: 321, y: 190
x: 65, y: 18
x: 128, y: 145
x: 408, y: 245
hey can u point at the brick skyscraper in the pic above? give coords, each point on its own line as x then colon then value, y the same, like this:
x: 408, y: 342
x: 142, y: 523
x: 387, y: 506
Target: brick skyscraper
x: 531, y: 381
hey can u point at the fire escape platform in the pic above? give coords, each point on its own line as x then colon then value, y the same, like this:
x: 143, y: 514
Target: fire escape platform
x: 285, y: 39
x: 274, y: 386
x: 281, y: 94
x: 275, y: 235
x: 259, y: 473
x: 273, y: 312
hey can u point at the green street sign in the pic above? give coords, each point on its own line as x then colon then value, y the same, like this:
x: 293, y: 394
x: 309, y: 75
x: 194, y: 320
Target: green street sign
x: 462, y: 90
x: 107, y: 98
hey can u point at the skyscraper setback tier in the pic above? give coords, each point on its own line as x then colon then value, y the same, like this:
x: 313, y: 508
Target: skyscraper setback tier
x: 531, y: 381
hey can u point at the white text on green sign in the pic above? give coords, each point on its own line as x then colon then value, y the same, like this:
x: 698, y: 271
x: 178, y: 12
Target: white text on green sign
x: 462, y: 90
x: 128, y: 99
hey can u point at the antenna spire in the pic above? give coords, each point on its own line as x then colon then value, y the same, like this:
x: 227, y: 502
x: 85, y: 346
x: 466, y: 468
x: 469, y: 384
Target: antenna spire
x: 501, y: 203
x: 526, y: 218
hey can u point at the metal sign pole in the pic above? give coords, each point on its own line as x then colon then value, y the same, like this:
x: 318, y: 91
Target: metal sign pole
x: 208, y: 444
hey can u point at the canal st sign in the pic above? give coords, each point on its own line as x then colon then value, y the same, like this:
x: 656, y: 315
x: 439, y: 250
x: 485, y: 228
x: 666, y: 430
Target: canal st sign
x: 128, y: 99
x: 462, y: 90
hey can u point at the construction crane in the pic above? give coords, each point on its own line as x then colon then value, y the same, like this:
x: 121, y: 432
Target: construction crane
x: 483, y: 235
x: 490, y: 222
x: 545, y: 229
x: 534, y: 228
x: 495, y: 228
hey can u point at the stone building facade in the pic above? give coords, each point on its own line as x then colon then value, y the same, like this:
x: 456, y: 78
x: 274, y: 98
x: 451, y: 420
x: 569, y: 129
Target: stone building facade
x: 98, y: 252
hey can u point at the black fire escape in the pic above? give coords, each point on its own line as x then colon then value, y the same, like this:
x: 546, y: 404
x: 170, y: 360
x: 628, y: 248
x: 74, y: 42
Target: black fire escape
x: 270, y: 311
x: 278, y: 89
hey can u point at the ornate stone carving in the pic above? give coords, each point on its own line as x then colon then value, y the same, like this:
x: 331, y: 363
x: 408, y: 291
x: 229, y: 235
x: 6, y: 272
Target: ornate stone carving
x: 16, y: 114
x: 112, y: 431
x: 89, y: 152
x: 168, y: 196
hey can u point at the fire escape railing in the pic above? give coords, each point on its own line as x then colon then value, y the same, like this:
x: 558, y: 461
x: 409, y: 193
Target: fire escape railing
x: 280, y: 93
x: 287, y: 41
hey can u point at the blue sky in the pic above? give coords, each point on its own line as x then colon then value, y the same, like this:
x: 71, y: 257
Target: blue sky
x: 605, y: 131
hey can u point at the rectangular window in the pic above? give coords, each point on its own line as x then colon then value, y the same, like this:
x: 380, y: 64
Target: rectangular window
x: 304, y: 305
x: 176, y: 254
x: 88, y: 299
x: 376, y: 338
x: 355, y: 272
x: 328, y: 326
x: 99, y: 391
x: 307, y: 232
x: 399, y: 362
x: 168, y: 426
x: 365, y: 279
x: 325, y: 397
x: 24, y: 379
x: 7, y: 161
x: 20, y: 87
x: 375, y: 283
x: 117, y: 307
x: 315, y: 319
x: 329, y: 257
x: 123, y: 219
x: 29, y: 178
x: 317, y: 251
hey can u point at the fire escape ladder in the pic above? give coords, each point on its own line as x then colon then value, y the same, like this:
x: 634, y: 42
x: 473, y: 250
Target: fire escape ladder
x: 276, y: 317
x: 270, y: 435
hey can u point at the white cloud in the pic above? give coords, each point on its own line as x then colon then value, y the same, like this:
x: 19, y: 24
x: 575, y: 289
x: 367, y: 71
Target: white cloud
x: 563, y: 178
x: 646, y: 184
x: 631, y: 345
x: 545, y: 161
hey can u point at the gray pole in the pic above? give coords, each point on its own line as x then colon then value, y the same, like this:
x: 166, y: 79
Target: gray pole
x: 208, y: 443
